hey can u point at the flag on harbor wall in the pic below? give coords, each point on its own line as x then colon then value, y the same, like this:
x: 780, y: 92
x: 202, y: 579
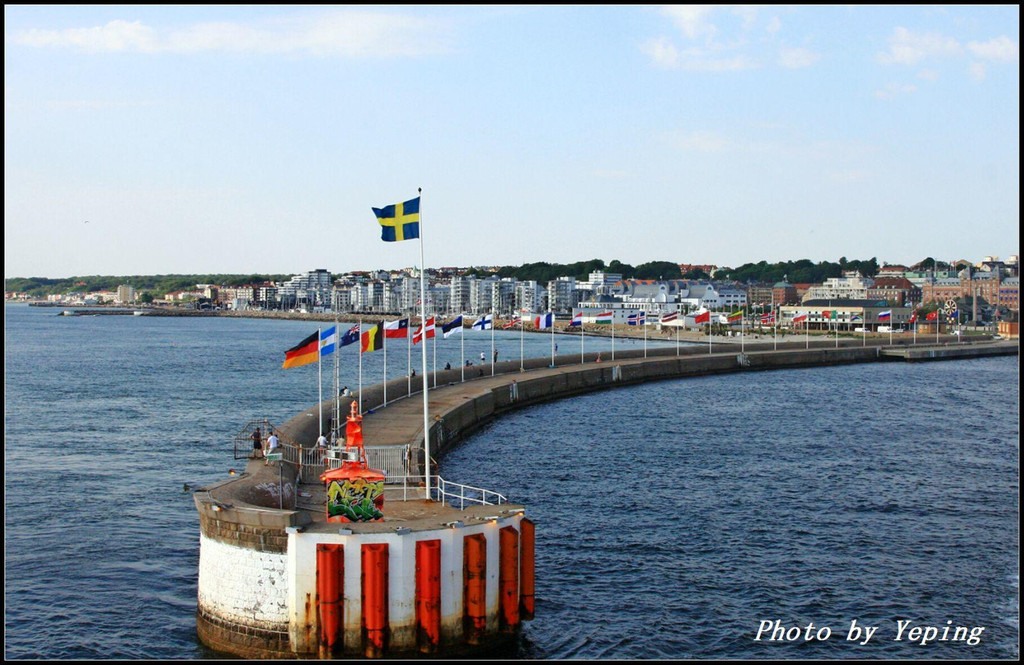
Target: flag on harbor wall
x: 351, y: 337
x: 400, y: 221
x: 303, y: 353
x: 543, y: 321
x: 511, y: 323
x: 417, y: 336
x: 396, y: 329
x: 736, y: 316
x: 577, y: 320
x: 884, y: 316
x: 800, y: 317
x: 703, y: 318
x: 670, y: 316
x: 767, y: 318
x: 485, y: 322
x: 328, y: 341
x: 373, y: 339
x: 604, y: 317
x: 932, y: 316
x: 637, y: 319
x: 913, y: 318
x: 453, y: 327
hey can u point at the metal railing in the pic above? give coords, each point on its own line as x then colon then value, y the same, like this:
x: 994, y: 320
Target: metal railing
x: 457, y: 494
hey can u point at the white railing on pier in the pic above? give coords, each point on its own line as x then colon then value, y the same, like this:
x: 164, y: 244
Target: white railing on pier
x: 458, y: 495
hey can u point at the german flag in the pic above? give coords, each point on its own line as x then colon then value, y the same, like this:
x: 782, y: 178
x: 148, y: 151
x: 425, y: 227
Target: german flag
x: 373, y: 339
x: 305, y: 352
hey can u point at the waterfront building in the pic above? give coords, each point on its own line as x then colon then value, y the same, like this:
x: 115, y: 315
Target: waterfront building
x: 530, y: 297
x: 894, y: 290
x: 600, y: 282
x: 311, y: 289
x: 503, y: 296
x: 481, y: 294
x: 562, y: 294
x: 784, y: 293
x: 851, y: 286
x: 125, y: 294
x: 850, y: 314
x: 759, y: 293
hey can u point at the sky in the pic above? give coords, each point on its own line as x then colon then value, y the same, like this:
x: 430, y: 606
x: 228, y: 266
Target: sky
x: 256, y: 139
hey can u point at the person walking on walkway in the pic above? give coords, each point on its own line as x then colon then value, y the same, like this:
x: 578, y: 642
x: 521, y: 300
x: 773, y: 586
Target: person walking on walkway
x: 272, y: 445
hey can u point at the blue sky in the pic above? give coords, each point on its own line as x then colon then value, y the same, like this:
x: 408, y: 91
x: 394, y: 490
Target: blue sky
x: 235, y: 139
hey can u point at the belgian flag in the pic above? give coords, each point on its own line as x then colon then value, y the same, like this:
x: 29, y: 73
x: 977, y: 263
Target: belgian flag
x: 305, y: 352
x: 372, y: 339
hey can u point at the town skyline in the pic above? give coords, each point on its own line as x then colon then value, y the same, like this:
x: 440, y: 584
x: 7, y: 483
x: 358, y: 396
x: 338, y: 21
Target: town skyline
x: 974, y: 261
x: 176, y: 140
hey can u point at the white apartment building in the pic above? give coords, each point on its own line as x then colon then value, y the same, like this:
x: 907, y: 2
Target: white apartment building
x: 851, y: 286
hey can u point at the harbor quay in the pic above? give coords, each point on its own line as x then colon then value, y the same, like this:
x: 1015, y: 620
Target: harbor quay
x: 452, y: 575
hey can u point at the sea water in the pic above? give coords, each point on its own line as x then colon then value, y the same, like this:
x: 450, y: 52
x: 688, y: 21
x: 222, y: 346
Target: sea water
x: 671, y: 517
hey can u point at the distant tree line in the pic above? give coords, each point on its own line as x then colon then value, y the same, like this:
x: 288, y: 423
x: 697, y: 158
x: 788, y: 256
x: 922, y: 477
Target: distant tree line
x: 545, y: 272
x: 155, y: 285
x: 801, y: 271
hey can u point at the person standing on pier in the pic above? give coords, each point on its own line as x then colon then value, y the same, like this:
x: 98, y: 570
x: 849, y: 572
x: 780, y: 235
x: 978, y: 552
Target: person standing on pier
x: 257, y: 442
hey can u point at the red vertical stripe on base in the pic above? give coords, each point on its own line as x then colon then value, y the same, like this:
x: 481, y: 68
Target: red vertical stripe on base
x: 474, y: 595
x: 508, y: 578
x: 428, y: 595
x: 375, y: 599
x: 526, y: 568
x: 330, y: 592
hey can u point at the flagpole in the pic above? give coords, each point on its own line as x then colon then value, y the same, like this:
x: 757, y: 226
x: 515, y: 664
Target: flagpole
x: 552, y: 337
x: 423, y: 317
x: 807, y: 331
x: 522, y: 326
x: 360, y: 364
x: 677, y: 336
x: 644, y: 315
x: 613, y: 335
x: 337, y: 376
x: 493, y: 319
x: 384, y: 345
x: 408, y: 359
x: 462, y: 346
x: 581, y: 337
x: 775, y: 326
x: 741, y: 331
x: 319, y: 381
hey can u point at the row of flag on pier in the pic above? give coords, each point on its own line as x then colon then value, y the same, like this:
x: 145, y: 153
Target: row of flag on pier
x: 319, y: 344
x: 325, y: 342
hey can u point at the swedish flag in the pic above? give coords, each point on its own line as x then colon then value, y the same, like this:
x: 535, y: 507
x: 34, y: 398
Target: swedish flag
x: 400, y: 221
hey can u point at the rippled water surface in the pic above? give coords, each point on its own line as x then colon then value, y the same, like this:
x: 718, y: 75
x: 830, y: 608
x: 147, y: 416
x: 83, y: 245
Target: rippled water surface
x: 671, y: 518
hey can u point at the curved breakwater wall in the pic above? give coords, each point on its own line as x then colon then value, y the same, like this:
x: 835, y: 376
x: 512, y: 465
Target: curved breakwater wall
x: 255, y: 601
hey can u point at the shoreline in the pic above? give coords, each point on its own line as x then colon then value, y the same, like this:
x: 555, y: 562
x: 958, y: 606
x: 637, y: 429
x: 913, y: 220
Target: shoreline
x: 666, y: 334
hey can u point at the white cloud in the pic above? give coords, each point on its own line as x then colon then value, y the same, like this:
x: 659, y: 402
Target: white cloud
x: 692, y: 20
x: 774, y: 25
x: 894, y: 90
x: 978, y: 71
x: 1000, y: 49
x: 908, y: 48
x: 796, y: 58
x: 928, y: 75
x: 339, y: 33
x: 664, y: 54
